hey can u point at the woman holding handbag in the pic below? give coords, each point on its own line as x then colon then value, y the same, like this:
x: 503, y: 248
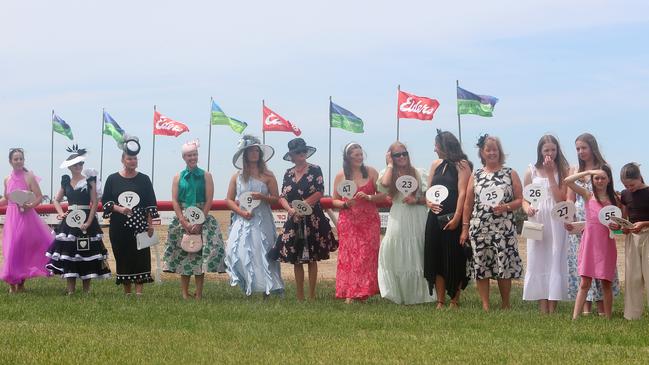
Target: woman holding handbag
x: 194, y: 241
x: 130, y: 203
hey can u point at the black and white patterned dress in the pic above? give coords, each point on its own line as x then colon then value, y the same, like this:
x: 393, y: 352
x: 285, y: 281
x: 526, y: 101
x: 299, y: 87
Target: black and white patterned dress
x: 493, y: 236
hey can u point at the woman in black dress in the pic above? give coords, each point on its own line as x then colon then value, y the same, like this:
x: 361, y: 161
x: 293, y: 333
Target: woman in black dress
x: 444, y: 256
x: 304, y: 239
x: 78, y: 252
x: 133, y: 265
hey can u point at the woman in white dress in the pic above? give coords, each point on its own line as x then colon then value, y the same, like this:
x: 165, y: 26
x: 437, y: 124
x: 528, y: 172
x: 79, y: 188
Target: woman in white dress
x: 546, y: 277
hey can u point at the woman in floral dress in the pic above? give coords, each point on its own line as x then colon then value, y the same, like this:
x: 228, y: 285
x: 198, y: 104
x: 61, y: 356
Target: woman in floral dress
x: 304, y: 239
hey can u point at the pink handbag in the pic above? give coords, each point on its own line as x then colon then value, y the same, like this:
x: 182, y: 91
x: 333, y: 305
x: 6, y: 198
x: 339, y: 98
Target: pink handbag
x: 191, y: 242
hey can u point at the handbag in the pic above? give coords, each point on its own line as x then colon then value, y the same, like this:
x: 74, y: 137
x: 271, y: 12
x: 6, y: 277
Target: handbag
x: 443, y: 219
x: 191, y: 242
x: 144, y: 241
x: 532, y: 230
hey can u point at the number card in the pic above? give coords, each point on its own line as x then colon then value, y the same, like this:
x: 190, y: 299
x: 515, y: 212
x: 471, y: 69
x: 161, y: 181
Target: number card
x: 301, y: 207
x: 605, y: 215
x: 194, y: 215
x: 534, y: 193
x: 246, y: 201
x: 564, y: 211
x: 128, y: 199
x: 492, y: 196
x: 76, y: 218
x: 347, y: 189
x: 21, y: 197
x: 437, y: 194
x: 407, y: 184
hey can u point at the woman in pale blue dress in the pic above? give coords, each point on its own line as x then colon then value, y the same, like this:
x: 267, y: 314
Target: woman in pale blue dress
x: 252, y: 233
x: 401, y: 256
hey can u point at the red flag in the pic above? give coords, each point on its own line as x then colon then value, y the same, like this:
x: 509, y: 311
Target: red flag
x: 164, y: 126
x: 275, y: 123
x: 416, y: 107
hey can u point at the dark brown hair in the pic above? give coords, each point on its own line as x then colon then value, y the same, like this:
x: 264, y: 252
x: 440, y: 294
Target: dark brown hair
x: 610, y: 190
x: 347, y: 169
x: 261, y: 163
x: 631, y: 171
x: 598, y: 159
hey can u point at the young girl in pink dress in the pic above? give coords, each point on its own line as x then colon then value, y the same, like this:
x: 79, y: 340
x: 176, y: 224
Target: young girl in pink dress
x: 597, y: 255
x: 25, y: 236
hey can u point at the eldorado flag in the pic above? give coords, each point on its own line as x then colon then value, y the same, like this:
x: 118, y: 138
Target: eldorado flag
x: 340, y: 117
x: 164, y: 126
x: 272, y: 122
x: 416, y: 107
x: 470, y: 103
x: 218, y: 117
x: 61, y: 127
x: 113, y: 129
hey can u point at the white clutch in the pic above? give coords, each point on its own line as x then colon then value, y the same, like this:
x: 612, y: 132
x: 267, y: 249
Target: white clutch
x: 532, y: 230
x: 144, y: 241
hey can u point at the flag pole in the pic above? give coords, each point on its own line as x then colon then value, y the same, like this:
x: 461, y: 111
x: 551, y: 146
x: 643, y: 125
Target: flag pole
x: 263, y: 132
x: 398, y: 91
x: 209, y: 140
x: 153, y: 149
x: 52, y: 158
x: 101, y: 154
x: 329, y: 180
x: 459, y: 123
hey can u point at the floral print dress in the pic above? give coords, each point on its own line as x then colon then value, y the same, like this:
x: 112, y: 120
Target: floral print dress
x: 312, y: 232
x: 493, y: 236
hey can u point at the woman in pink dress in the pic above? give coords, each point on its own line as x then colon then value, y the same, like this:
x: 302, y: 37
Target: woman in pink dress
x: 25, y: 236
x: 597, y: 255
x: 359, y: 229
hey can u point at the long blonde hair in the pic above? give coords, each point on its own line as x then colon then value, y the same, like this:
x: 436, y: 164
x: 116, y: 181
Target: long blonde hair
x: 409, y: 169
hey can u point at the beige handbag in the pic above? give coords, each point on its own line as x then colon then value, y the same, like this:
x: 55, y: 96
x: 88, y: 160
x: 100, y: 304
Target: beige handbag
x: 532, y: 230
x: 191, y: 242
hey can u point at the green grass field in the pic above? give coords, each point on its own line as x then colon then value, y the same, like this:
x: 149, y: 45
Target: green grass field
x: 45, y: 326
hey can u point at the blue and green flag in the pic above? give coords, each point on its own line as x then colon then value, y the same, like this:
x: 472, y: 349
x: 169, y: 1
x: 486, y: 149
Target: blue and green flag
x: 113, y: 129
x: 61, y: 127
x: 470, y: 103
x: 218, y: 117
x: 340, y: 117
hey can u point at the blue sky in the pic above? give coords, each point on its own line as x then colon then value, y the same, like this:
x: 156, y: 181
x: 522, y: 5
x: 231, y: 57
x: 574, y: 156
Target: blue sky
x: 557, y: 67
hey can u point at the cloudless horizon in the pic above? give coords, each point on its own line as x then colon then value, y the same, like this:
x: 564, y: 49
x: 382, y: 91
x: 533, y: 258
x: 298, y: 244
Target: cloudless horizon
x: 556, y: 67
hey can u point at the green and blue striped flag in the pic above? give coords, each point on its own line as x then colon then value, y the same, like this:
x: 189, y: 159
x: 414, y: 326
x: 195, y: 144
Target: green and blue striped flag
x: 113, y: 129
x: 470, y: 103
x: 340, y: 117
x: 61, y: 127
x: 218, y: 117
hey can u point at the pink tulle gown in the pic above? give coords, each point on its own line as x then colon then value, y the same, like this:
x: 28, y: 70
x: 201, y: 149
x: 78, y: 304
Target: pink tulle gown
x: 25, y: 239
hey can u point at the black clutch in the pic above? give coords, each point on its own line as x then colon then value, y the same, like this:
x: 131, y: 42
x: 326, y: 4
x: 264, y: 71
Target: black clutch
x: 443, y: 219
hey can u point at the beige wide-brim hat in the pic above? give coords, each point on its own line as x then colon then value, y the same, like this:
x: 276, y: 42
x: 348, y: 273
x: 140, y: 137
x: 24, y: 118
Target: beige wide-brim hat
x: 247, y: 141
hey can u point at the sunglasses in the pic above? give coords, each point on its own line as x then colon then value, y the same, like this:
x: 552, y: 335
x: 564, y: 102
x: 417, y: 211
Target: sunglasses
x: 400, y: 154
x: 15, y: 149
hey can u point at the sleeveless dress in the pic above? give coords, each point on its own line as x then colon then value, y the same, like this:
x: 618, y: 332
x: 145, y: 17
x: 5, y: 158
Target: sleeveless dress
x: 401, y: 256
x: 248, y: 243
x: 597, y: 251
x: 191, y: 193
x: 546, y: 276
x: 86, y: 259
x: 25, y: 238
x: 359, y: 232
x: 443, y: 254
x: 319, y: 239
x: 493, y: 236
x: 132, y: 265
x: 595, y: 291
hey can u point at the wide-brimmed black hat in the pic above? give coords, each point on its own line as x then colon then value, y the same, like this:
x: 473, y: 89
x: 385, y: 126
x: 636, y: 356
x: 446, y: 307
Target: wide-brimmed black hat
x: 297, y: 145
